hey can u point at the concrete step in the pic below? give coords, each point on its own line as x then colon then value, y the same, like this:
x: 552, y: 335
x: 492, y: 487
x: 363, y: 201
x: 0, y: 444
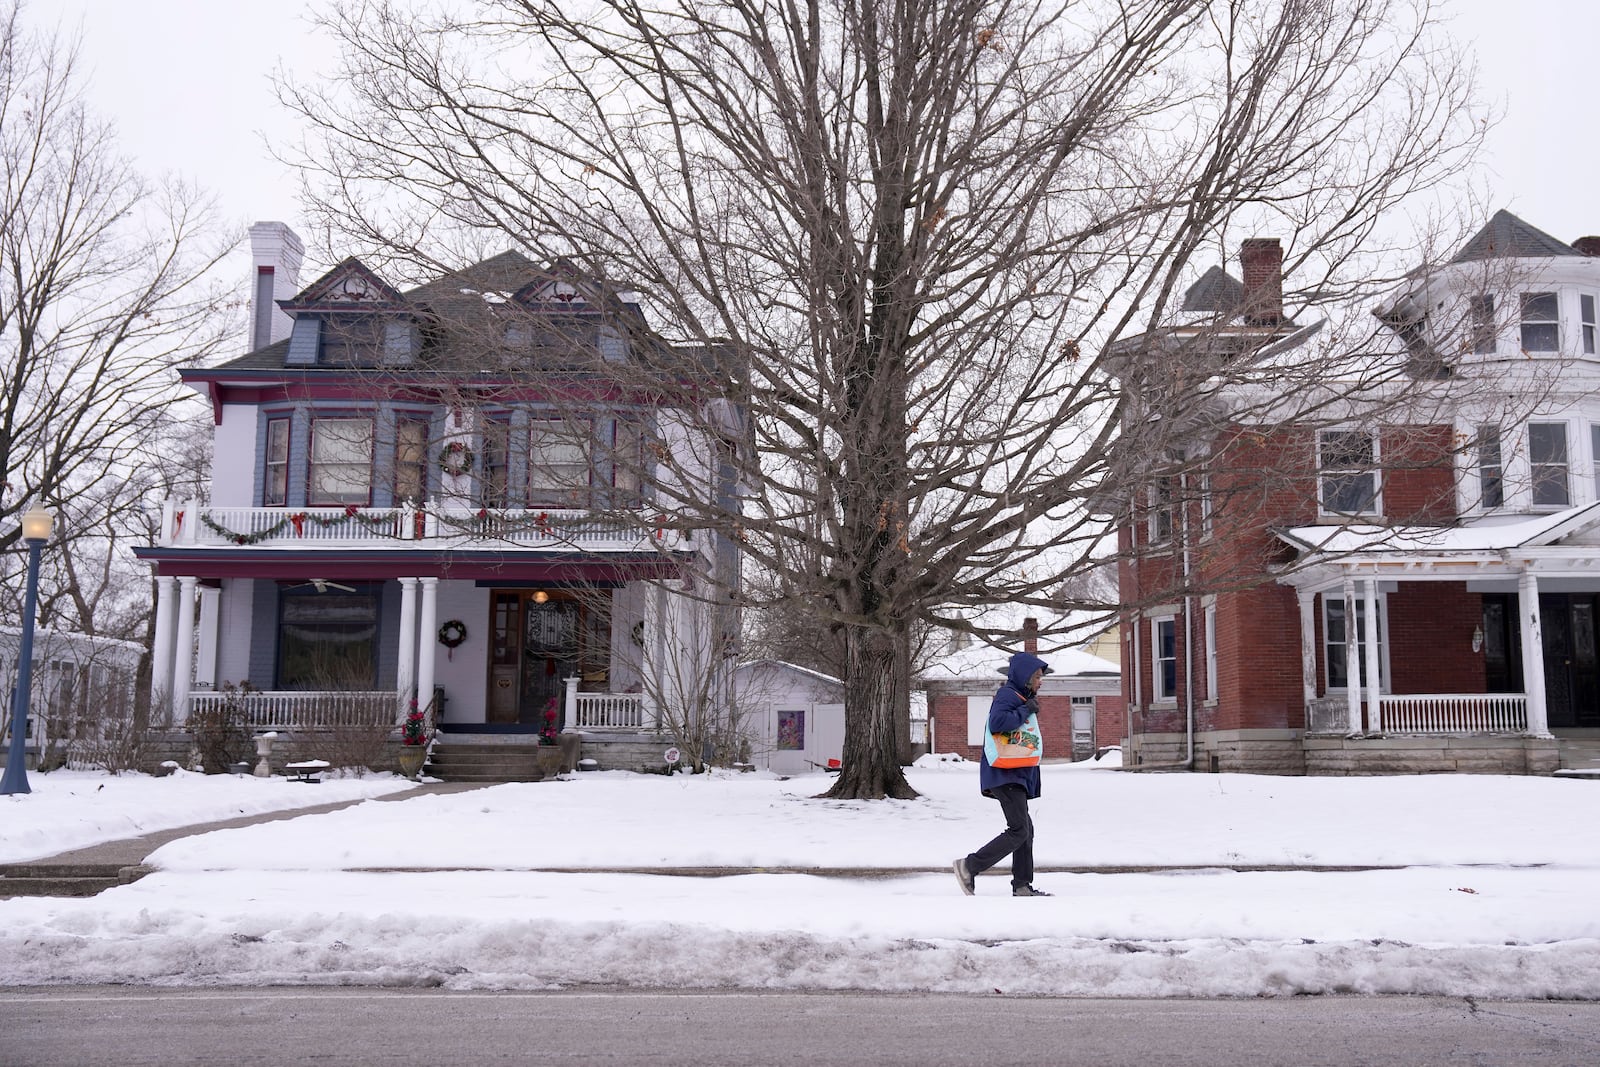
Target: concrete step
x: 1580, y: 753
x: 64, y: 879
x: 487, y: 763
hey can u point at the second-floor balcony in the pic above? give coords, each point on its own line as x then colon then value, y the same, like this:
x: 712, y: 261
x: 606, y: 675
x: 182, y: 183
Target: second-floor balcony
x: 410, y: 526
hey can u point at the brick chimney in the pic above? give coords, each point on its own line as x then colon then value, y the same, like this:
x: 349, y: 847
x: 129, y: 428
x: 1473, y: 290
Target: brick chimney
x: 1030, y: 635
x: 1589, y: 246
x: 1261, y: 260
x: 275, y: 253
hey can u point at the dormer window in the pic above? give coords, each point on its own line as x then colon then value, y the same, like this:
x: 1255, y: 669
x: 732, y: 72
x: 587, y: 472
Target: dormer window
x: 1541, y: 322
x: 352, y: 340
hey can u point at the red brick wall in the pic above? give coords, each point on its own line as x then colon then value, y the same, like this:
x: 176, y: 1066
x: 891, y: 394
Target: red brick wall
x: 948, y: 712
x: 1430, y: 638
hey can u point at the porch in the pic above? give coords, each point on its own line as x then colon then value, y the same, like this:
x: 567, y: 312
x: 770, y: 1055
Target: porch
x: 258, y: 710
x: 1418, y: 715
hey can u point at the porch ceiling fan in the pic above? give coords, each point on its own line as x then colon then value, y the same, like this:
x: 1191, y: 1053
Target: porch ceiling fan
x: 322, y: 585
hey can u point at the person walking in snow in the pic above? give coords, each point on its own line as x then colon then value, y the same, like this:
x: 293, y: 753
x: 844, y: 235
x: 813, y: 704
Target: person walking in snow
x: 1009, y: 773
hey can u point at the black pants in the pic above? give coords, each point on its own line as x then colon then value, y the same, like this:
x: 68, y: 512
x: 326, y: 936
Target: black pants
x: 1016, y: 841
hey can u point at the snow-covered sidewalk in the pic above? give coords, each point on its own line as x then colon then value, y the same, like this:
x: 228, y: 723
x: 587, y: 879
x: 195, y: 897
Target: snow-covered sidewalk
x: 302, y: 900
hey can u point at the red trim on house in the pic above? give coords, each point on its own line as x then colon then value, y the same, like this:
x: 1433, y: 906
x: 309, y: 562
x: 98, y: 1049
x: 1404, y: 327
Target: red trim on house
x: 468, y: 566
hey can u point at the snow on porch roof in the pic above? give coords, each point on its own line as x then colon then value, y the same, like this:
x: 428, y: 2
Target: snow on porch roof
x: 1482, y: 535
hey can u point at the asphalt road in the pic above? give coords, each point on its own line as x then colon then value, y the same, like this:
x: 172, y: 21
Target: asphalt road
x: 125, y: 1026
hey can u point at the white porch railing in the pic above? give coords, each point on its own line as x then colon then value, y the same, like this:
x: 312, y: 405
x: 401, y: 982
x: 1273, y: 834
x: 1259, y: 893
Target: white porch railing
x: 289, y: 710
x: 524, y: 527
x: 608, y: 711
x: 1454, y: 713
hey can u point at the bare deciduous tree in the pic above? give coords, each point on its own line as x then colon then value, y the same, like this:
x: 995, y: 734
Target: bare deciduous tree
x: 104, y: 290
x: 901, y: 234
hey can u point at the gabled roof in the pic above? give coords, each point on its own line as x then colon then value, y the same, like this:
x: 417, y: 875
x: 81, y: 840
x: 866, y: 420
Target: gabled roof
x: 1217, y: 290
x: 1508, y: 237
x: 351, y: 285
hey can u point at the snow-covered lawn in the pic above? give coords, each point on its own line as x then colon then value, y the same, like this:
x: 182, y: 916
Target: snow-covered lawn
x: 495, y: 887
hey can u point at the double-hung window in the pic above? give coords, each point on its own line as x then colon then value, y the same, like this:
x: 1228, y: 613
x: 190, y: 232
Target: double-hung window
x: 1161, y: 511
x: 1347, y: 464
x: 1586, y: 314
x: 1164, y: 658
x: 1336, y: 638
x: 1491, y: 468
x: 558, y: 463
x: 1483, y: 331
x: 1548, y: 464
x: 275, y: 473
x: 495, y: 491
x: 410, y: 460
x: 1210, y: 615
x: 1541, y: 322
x: 340, y: 467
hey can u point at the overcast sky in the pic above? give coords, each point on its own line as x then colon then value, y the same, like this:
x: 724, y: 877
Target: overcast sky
x: 187, y: 82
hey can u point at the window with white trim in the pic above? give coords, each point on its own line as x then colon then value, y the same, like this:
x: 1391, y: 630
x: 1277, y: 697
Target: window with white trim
x: 1541, y: 322
x: 1347, y: 468
x: 1210, y: 614
x: 1335, y: 633
x: 1491, y: 468
x: 1161, y: 511
x: 1548, y: 464
x: 1207, y: 518
x: 1483, y: 331
x: 340, y: 467
x: 977, y: 719
x: 1587, y: 317
x: 1164, y: 658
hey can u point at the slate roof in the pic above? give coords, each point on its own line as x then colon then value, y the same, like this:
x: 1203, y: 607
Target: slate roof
x: 1508, y: 237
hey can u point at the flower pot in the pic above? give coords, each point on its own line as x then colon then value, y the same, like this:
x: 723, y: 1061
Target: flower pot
x: 412, y: 758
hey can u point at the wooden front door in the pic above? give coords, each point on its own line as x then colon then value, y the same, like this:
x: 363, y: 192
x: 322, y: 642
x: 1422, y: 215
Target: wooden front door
x: 540, y: 639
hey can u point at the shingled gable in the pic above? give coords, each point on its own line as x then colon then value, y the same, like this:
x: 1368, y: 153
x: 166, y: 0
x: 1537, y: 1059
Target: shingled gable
x: 1507, y: 237
x: 350, y: 286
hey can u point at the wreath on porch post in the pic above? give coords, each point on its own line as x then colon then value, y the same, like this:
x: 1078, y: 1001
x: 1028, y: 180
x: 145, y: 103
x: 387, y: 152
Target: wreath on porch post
x: 451, y: 634
x: 455, y: 458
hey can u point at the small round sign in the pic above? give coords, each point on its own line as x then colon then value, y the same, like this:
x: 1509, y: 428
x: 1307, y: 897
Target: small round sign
x: 671, y: 754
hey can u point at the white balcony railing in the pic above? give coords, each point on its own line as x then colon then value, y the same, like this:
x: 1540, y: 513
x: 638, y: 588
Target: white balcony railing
x: 279, y: 710
x: 525, y: 527
x: 1454, y: 713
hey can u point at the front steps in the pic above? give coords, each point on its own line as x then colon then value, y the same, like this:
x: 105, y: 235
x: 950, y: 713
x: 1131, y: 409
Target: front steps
x: 456, y: 758
x: 1580, y: 750
x: 64, y: 879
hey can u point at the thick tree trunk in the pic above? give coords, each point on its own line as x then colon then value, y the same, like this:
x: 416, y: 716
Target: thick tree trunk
x: 871, y: 764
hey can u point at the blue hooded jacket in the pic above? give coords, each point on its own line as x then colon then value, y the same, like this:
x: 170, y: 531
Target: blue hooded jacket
x: 1011, y: 707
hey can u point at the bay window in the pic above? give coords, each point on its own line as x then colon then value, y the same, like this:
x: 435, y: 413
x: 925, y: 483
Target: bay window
x: 275, y: 475
x: 1541, y: 322
x: 410, y: 460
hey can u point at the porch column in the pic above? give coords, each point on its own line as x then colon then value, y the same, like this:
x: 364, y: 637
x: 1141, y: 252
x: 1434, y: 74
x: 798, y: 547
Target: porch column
x: 406, y: 663
x: 1374, y: 676
x: 1352, y: 657
x: 183, y: 669
x: 1532, y: 634
x: 1308, y: 648
x: 205, y: 668
x: 569, y: 721
x: 428, y: 625
x: 161, y: 647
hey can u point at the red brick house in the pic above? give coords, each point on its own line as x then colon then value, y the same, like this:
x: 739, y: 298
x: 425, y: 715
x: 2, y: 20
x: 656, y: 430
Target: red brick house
x: 1080, y: 703
x: 1427, y: 524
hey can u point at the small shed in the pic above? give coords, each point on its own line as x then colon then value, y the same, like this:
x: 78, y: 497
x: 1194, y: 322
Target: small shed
x: 794, y: 716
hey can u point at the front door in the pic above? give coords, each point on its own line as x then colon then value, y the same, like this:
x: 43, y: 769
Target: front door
x: 540, y: 639
x: 1571, y: 659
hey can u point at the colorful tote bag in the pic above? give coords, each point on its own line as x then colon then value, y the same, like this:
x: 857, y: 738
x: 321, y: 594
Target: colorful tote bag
x: 1023, y: 747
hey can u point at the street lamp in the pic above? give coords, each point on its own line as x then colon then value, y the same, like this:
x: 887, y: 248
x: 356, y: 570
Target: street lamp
x: 36, y: 526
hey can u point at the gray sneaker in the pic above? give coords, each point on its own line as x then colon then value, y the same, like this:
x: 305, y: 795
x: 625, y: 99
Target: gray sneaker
x: 963, y: 876
x: 1028, y: 891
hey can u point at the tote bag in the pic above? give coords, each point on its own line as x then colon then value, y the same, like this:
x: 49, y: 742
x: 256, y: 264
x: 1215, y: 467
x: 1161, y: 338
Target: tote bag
x: 1022, y: 747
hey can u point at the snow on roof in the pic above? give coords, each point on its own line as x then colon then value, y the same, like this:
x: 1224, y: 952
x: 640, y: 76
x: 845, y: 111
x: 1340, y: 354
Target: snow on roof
x: 1482, y: 535
x: 986, y: 662
x: 751, y: 664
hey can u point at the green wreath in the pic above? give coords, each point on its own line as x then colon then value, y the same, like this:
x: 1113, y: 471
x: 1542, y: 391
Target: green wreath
x: 452, y: 633
x: 455, y: 458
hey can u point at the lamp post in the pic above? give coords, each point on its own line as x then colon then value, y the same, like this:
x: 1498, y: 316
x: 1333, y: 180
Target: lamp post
x: 36, y: 526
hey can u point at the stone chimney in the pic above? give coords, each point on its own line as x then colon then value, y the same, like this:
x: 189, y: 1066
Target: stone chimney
x: 1261, y: 260
x: 275, y: 254
x: 1030, y: 635
x: 1589, y: 246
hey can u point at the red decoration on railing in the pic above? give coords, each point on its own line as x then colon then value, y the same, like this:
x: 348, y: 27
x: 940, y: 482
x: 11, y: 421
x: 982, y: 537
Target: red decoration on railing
x: 350, y: 510
x: 299, y: 520
x: 421, y: 523
x: 177, y: 523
